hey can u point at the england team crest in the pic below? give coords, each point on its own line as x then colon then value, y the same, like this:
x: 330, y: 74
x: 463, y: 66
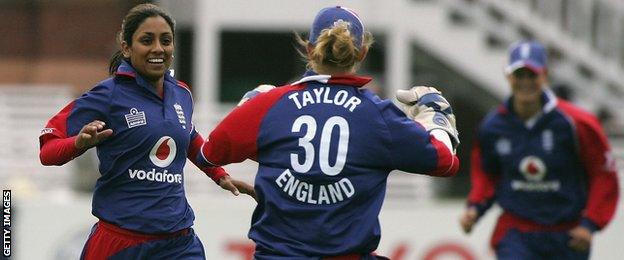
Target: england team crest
x: 180, y: 113
x: 548, y: 140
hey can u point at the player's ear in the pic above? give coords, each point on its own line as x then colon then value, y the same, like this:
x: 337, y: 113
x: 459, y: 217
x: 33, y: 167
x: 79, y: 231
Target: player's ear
x: 309, y: 49
x: 509, y: 77
x: 125, y: 49
x: 363, y: 53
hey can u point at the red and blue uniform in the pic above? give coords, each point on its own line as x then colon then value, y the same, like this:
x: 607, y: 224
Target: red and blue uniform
x: 139, y: 196
x: 548, y: 174
x: 325, y: 147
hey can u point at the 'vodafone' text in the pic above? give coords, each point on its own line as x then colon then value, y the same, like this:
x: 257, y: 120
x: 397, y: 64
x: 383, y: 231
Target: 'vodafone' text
x: 153, y: 175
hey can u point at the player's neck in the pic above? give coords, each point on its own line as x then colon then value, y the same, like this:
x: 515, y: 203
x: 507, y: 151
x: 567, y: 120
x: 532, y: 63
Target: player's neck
x: 526, y: 110
x: 327, y: 70
x: 158, y: 86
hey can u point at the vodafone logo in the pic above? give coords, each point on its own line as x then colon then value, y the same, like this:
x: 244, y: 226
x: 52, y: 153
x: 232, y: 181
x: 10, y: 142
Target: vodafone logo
x: 532, y: 168
x: 163, y: 152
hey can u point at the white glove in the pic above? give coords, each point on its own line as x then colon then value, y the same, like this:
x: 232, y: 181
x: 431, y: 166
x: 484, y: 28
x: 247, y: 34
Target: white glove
x: 427, y: 106
x: 254, y: 92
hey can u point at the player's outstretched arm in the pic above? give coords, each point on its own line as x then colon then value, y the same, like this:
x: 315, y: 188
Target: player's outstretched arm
x: 77, y: 127
x: 468, y: 219
x: 427, y: 106
x: 216, y: 173
x: 482, y: 190
x: 423, y: 136
x: 237, y: 186
x: 58, y: 150
x: 92, y: 134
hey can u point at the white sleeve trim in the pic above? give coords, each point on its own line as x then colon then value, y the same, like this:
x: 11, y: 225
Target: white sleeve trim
x: 443, y: 137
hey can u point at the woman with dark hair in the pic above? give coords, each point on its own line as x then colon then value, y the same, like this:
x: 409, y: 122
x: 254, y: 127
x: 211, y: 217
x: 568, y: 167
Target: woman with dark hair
x: 140, y: 121
x: 325, y: 147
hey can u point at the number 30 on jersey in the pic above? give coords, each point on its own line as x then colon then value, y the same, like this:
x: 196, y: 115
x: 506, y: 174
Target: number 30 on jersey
x: 335, y: 122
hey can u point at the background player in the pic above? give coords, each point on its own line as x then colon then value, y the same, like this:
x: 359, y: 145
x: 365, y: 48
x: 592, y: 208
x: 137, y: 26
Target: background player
x: 548, y: 165
x: 140, y: 120
x: 325, y: 147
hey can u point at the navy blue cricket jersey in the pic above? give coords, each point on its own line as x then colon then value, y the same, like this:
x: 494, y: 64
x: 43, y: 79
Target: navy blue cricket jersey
x: 325, y: 147
x: 141, y: 187
x: 559, y: 169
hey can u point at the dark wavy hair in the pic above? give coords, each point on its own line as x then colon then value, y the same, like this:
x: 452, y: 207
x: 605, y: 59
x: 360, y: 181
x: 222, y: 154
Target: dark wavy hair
x: 134, y: 18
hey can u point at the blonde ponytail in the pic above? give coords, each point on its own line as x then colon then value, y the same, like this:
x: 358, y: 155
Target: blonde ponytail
x: 335, y: 49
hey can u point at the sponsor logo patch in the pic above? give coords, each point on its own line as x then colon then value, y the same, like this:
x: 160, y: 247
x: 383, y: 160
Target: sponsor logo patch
x: 534, y: 170
x: 135, y: 118
x: 163, y: 152
x: 47, y: 131
x: 503, y: 146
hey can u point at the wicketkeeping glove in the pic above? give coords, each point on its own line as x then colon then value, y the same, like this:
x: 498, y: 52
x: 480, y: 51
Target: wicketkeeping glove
x: 254, y: 92
x: 427, y: 106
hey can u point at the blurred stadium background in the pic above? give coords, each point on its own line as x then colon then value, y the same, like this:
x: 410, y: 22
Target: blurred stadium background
x: 53, y: 50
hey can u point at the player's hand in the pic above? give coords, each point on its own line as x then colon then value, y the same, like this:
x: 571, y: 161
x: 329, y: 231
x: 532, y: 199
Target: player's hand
x: 580, y: 238
x: 427, y: 106
x: 92, y: 134
x: 254, y: 92
x: 411, y: 97
x: 468, y: 219
x: 237, y: 186
x: 245, y: 188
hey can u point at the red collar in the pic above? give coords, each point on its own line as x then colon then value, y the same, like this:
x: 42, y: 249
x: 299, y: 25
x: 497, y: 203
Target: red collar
x: 350, y: 80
